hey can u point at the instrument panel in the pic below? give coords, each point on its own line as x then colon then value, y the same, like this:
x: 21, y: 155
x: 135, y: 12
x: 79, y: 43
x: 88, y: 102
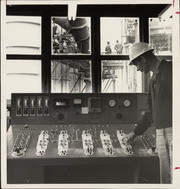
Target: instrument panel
x: 77, y: 108
x: 51, y: 134
x: 46, y: 140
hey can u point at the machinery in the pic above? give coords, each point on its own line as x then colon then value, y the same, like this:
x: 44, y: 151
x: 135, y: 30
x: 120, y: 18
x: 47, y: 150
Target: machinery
x: 79, y: 138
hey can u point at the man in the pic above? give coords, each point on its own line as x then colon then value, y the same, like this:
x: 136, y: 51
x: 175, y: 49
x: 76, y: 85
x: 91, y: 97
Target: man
x: 160, y: 104
x: 108, y: 48
x: 118, y: 47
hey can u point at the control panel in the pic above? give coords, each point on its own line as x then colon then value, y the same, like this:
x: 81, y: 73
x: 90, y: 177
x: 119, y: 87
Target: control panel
x: 77, y: 108
x: 84, y: 119
x: 61, y: 130
x: 91, y: 140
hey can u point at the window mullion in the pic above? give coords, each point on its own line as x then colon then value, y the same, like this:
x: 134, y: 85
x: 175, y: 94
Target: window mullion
x: 96, y: 63
x: 46, y: 53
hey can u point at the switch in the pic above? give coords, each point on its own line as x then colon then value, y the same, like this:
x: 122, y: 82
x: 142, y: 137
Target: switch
x: 25, y: 106
x: 32, y: 109
x: 46, y: 106
x: 18, y: 106
x: 39, y: 106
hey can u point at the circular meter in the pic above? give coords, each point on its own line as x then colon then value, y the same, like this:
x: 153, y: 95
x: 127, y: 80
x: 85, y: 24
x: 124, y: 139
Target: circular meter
x: 126, y: 103
x: 112, y: 102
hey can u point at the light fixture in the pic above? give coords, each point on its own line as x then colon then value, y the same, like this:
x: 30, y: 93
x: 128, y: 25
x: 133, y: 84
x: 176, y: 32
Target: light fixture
x: 72, y: 10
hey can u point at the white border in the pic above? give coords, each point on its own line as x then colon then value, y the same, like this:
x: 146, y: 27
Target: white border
x: 3, y: 100
x: 83, y: 2
x: 176, y: 101
x: 176, y: 90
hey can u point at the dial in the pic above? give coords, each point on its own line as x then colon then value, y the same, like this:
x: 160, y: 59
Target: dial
x: 112, y: 102
x: 126, y: 103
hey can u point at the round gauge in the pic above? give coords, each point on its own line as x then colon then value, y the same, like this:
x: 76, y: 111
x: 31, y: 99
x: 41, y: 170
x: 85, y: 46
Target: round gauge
x: 112, y: 102
x: 126, y: 103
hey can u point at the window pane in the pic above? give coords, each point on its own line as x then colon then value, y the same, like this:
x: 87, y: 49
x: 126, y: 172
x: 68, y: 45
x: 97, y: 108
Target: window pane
x: 118, y: 34
x: 118, y: 76
x: 71, y: 36
x: 161, y: 36
x: 71, y: 76
x: 23, y: 76
x: 23, y: 35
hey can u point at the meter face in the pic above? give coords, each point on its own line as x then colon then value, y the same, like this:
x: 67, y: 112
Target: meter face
x: 112, y: 102
x: 126, y: 103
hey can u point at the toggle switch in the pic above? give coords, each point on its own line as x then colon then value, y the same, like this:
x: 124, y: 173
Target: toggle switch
x: 46, y: 106
x: 39, y: 106
x: 32, y: 106
x: 18, y: 106
x: 25, y: 106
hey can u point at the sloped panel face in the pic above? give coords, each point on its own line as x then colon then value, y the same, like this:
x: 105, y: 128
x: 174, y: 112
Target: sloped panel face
x: 77, y: 108
x: 23, y: 35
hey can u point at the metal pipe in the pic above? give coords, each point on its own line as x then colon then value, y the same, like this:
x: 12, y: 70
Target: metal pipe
x: 78, y: 28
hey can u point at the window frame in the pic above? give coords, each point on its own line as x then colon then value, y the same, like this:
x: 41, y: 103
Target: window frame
x: 95, y: 12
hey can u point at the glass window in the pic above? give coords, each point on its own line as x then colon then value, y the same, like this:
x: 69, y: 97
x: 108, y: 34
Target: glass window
x: 160, y: 36
x: 71, y: 36
x: 118, y: 76
x: 23, y: 35
x: 118, y: 34
x: 23, y: 76
x: 71, y: 76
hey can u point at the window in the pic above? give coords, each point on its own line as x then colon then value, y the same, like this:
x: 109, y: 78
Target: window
x: 70, y: 36
x: 160, y: 37
x: 99, y: 38
x: 118, y: 76
x: 71, y: 76
x: 117, y: 36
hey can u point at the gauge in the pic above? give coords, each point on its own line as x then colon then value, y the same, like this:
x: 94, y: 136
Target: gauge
x: 126, y: 103
x: 112, y: 102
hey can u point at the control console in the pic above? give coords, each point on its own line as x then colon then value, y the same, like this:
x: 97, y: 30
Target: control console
x: 56, y: 134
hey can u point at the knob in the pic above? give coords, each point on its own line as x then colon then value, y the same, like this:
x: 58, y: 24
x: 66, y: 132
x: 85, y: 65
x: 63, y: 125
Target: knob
x: 60, y: 116
x: 119, y: 115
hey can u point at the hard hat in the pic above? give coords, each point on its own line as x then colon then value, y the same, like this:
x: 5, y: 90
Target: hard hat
x: 138, y: 49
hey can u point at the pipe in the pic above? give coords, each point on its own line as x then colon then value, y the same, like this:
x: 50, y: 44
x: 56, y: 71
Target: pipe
x: 78, y: 28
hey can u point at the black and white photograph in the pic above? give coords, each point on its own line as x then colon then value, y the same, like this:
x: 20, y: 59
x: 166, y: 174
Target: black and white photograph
x: 90, y: 94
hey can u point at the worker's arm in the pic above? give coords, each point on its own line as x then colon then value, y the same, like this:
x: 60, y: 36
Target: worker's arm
x: 143, y: 123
